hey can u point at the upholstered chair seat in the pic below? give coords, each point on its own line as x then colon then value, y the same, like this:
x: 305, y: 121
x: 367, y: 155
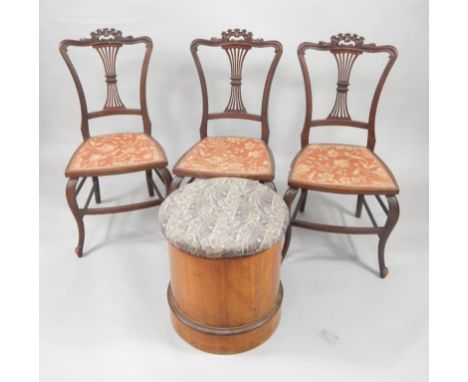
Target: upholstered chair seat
x: 113, y: 153
x: 341, y: 168
x: 227, y: 156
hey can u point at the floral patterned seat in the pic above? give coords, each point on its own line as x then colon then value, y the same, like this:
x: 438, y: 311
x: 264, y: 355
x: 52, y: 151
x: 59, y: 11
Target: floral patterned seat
x: 227, y: 156
x: 108, y: 154
x: 224, y: 217
x: 341, y: 168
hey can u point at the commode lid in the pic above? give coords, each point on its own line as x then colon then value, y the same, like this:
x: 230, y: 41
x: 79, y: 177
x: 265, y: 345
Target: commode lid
x: 224, y: 217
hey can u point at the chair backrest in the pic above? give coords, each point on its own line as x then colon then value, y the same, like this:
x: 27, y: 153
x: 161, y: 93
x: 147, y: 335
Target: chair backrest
x: 345, y: 48
x: 107, y: 43
x: 236, y: 43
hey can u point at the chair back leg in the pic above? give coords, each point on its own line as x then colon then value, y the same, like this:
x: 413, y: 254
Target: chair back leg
x: 97, y: 189
x: 165, y: 177
x: 303, y: 200
x: 149, y: 178
x: 270, y: 184
x: 359, y: 203
x: 175, y: 183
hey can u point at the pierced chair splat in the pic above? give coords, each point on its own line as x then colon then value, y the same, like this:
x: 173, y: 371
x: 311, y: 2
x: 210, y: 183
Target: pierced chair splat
x: 112, y: 154
x: 222, y: 156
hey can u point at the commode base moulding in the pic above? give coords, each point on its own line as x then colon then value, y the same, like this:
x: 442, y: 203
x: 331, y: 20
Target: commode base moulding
x: 225, y: 305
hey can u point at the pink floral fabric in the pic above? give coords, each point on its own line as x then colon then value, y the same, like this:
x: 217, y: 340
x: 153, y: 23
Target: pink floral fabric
x: 341, y: 168
x: 109, y: 153
x: 227, y: 156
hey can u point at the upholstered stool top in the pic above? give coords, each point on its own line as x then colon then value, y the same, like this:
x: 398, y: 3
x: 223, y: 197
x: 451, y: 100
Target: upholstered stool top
x: 223, y: 217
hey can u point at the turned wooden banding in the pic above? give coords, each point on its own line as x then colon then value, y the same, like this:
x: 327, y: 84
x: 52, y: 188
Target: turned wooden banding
x: 225, y: 306
x: 225, y: 238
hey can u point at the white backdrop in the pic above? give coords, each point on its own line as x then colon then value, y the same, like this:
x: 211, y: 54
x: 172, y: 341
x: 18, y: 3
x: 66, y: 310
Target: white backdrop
x: 105, y: 318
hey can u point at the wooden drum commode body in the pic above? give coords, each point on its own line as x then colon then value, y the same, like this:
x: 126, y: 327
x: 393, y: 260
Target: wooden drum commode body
x: 225, y: 239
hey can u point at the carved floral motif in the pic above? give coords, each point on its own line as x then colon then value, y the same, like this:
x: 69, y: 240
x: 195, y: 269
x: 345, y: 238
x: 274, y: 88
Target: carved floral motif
x: 107, y: 34
x: 236, y: 35
x: 346, y: 39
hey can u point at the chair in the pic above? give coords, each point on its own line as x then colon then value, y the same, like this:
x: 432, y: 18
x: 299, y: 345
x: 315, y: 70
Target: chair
x: 344, y: 169
x: 231, y: 156
x: 112, y: 154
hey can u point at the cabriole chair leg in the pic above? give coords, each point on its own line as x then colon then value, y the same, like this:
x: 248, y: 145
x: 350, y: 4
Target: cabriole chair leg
x: 392, y: 219
x: 288, y: 199
x: 97, y: 189
x: 73, y: 204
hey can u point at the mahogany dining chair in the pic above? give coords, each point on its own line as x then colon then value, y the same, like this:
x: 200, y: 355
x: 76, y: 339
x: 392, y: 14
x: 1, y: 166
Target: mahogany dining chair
x: 227, y: 156
x: 112, y: 154
x: 342, y: 168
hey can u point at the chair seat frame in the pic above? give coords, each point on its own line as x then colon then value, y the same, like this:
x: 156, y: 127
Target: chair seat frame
x: 346, y: 48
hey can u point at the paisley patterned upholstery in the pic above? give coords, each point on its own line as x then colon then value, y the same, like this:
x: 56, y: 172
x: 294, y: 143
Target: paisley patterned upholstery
x: 223, y: 217
x: 227, y: 156
x: 341, y: 168
x: 113, y: 153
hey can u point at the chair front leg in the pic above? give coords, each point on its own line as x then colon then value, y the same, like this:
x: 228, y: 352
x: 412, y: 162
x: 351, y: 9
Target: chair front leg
x: 392, y: 219
x: 288, y: 199
x: 73, y: 204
